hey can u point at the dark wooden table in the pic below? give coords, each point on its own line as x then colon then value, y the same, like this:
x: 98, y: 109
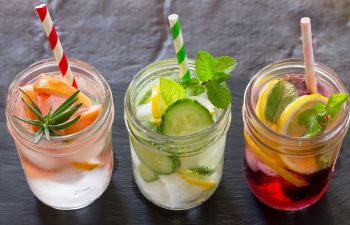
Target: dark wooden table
x: 121, y: 37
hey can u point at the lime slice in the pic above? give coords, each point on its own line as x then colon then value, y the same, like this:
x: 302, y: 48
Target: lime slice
x: 196, y: 179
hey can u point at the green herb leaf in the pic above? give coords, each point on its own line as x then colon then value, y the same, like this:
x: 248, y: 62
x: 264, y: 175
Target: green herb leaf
x: 61, y: 118
x: 191, y: 82
x: 281, y: 95
x: 36, y: 112
x: 171, y: 91
x: 151, y: 126
x: 146, y: 98
x: 317, y: 118
x: 31, y: 101
x: 204, y: 65
x: 195, y: 90
x: 38, y: 135
x: 335, y: 103
x: 51, y: 121
x: 218, y: 94
x: 224, y: 64
x: 64, y: 125
x: 67, y: 103
x: 204, y: 171
x: 220, y: 76
x: 32, y: 122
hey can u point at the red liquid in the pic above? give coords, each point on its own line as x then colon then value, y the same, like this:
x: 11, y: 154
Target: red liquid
x: 274, y: 190
x: 278, y: 193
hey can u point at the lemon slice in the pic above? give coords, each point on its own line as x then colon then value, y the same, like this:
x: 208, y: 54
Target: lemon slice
x: 196, y: 179
x: 262, y: 102
x: 273, y: 163
x: 158, y: 104
x: 288, y: 124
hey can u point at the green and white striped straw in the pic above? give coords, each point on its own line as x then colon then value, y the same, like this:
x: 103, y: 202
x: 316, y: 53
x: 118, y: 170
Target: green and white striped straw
x: 175, y: 29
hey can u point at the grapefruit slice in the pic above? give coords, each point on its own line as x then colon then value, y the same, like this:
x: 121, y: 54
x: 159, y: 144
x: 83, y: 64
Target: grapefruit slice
x: 29, y: 90
x: 86, y: 119
x: 48, y: 85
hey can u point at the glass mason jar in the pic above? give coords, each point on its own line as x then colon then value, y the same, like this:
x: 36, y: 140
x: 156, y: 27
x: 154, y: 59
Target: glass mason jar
x: 71, y: 171
x: 161, y: 164
x: 290, y: 173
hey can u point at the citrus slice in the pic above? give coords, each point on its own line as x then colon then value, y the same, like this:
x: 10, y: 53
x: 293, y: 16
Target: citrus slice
x: 273, y: 99
x: 158, y: 104
x: 273, y: 163
x: 47, y: 85
x: 29, y: 90
x: 86, y: 166
x: 288, y: 123
x: 86, y: 119
x: 196, y: 179
x: 262, y: 102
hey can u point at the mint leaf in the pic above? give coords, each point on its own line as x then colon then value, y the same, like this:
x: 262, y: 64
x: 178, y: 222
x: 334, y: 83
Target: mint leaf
x: 314, y: 127
x: 281, y: 95
x: 335, y: 103
x: 218, y: 94
x: 224, y: 64
x: 195, y: 90
x: 146, y: 98
x: 204, y: 171
x: 220, y: 76
x: 190, y: 82
x: 171, y: 91
x: 204, y: 65
x: 151, y: 126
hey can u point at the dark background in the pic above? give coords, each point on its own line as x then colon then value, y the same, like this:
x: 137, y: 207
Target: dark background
x: 121, y: 37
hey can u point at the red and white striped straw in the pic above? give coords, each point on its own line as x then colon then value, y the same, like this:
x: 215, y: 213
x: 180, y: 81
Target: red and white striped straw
x: 55, y: 43
x: 306, y: 35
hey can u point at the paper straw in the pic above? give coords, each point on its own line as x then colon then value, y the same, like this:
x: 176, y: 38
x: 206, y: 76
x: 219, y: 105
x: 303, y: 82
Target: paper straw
x: 175, y: 29
x: 306, y: 34
x: 55, y: 43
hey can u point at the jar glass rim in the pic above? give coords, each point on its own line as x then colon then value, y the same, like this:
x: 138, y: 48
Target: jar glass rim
x: 319, y: 68
x: 151, y: 69
x: 74, y: 63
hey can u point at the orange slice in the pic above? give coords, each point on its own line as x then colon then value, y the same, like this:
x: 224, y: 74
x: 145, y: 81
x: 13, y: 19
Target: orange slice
x: 28, y: 89
x: 87, y: 166
x: 86, y: 119
x: 48, y: 85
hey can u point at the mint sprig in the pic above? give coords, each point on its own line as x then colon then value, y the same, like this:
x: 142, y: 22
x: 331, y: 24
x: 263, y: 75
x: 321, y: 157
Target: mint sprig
x: 320, y: 116
x: 52, y: 121
x: 170, y: 90
x: 212, y: 75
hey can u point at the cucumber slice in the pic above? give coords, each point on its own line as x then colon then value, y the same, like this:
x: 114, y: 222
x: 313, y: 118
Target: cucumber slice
x: 147, y: 174
x: 146, y: 98
x: 185, y: 117
x: 160, y: 164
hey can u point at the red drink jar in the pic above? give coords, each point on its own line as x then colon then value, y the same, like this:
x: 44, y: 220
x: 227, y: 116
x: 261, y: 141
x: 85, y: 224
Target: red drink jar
x: 290, y: 173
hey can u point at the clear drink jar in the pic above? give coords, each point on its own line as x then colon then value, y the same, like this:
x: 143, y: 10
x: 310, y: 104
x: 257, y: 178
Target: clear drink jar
x: 290, y: 173
x: 71, y: 171
x: 161, y: 164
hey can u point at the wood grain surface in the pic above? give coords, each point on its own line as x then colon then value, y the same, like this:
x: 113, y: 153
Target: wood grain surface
x: 121, y: 37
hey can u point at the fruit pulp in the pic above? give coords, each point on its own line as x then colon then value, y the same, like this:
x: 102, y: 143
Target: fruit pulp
x: 76, y: 179
x: 275, y: 182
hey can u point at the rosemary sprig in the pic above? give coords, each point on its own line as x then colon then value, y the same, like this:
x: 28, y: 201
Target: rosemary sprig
x: 52, y: 121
